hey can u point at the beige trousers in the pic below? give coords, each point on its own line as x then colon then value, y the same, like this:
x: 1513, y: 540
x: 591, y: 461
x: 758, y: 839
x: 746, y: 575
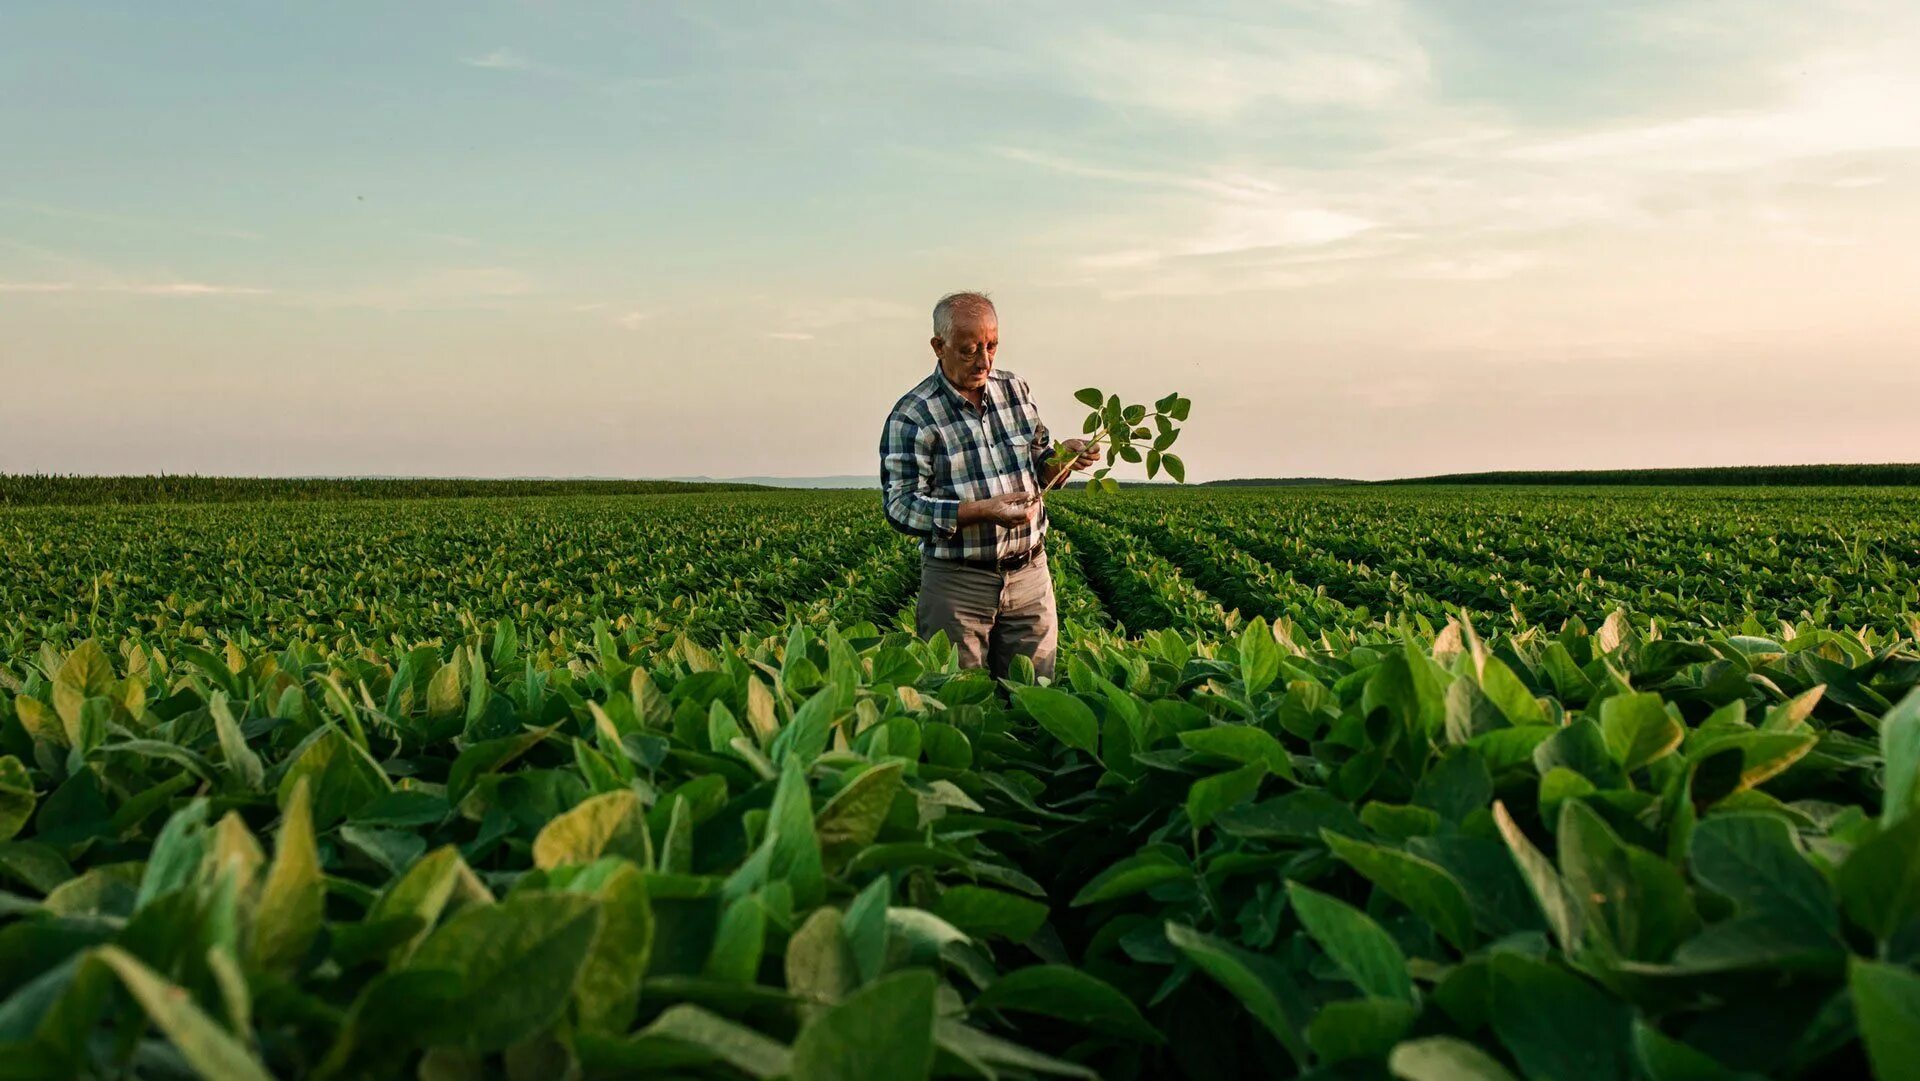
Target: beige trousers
x: 989, y: 616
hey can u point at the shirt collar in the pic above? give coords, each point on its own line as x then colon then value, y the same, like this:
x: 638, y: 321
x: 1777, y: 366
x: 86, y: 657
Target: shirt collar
x: 986, y: 392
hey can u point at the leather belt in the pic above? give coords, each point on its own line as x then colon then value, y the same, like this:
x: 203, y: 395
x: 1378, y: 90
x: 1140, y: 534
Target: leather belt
x: 1003, y: 564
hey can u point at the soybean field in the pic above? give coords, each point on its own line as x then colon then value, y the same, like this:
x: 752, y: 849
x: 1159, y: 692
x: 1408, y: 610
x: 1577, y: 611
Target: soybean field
x: 1346, y: 782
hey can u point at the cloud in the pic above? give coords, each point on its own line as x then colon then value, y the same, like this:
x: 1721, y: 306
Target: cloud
x: 501, y: 59
x: 150, y: 289
x: 1218, y: 69
x: 632, y: 320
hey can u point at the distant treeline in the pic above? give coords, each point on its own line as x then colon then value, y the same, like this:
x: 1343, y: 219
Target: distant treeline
x: 1885, y: 474
x: 1276, y: 482
x: 42, y: 489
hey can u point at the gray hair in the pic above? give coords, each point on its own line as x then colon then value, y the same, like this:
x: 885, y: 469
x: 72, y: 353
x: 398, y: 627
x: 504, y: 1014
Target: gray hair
x: 959, y: 304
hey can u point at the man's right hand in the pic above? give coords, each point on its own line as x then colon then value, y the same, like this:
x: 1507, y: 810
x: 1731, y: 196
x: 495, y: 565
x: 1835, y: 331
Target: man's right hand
x: 1008, y: 510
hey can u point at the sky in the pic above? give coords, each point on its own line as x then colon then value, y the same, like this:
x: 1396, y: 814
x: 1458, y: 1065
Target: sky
x: 1367, y: 238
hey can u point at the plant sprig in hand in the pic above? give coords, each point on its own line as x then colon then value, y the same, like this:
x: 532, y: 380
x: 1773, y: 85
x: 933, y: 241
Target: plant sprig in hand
x: 1123, y: 428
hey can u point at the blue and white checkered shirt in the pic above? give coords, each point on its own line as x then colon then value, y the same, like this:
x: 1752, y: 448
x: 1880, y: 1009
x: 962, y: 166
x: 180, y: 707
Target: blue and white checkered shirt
x: 938, y: 450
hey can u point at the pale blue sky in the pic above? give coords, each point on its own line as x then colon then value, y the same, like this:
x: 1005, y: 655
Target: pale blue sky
x: 1367, y: 238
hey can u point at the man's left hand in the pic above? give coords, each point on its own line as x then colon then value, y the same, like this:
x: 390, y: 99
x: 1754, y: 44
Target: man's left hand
x: 1089, y: 456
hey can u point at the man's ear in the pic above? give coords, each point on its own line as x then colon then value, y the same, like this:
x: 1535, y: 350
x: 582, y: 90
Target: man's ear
x: 936, y: 342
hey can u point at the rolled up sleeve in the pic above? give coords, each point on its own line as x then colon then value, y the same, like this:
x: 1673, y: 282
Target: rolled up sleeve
x: 906, y: 478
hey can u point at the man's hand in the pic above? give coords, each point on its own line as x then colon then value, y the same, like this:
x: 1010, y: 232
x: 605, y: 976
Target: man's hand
x: 1009, y: 510
x: 1088, y: 455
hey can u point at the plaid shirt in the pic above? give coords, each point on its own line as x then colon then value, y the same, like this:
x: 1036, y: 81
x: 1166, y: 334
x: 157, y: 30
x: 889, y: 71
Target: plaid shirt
x: 938, y: 450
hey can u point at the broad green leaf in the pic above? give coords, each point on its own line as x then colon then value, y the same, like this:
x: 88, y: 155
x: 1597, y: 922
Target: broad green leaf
x: 1140, y: 871
x: 1066, y: 717
x: 820, y: 965
x: 793, y: 849
x: 340, y: 777
x: 739, y: 942
x: 1880, y: 881
x: 1068, y: 994
x: 1900, y: 748
x: 852, y: 818
x: 1091, y: 397
x: 1272, y: 999
x: 1663, y: 1058
x: 1243, y: 744
x: 1209, y: 796
x: 884, y: 1031
x: 609, y: 824
x: 1556, y: 1024
x: 1365, y: 953
x: 984, y: 1052
x: 1752, y: 859
x: 293, y: 897
x: 1444, y: 1058
x: 609, y: 989
x: 423, y: 891
x: 241, y: 761
x: 1424, y: 887
x: 1259, y: 656
x: 1564, y: 916
x: 1638, y: 729
x: 1886, y: 1002
x: 1359, y: 1028
x: 518, y: 962
x: 719, y: 1040
x: 208, y: 1049
x: 982, y: 912
x: 1633, y: 900
x: 16, y: 796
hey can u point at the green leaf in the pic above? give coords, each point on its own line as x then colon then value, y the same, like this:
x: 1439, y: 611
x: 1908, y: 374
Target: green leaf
x: 792, y: 846
x: 1066, y: 717
x: 210, y: 1050
x: 1752, y: 860
x: 609, y: 824
x: 1175, y: 468
x: 1259, y: 656
x: 1072, y: 995
x: 518, y: 963
x: 1638, y: 729
x: 1209, y: 796
x: 1427, y: 889
x: 1556, y: 1024
x: 609, y: 989
x: 1566, y: 918
x: 852, y: 818
x: 293, y: 897
x: 16, y: 797
x: 340, y: 776
x: 1365, y: 953
x: 981, y: 912
x: 1900, y: 748
x: 1880, y: 881
x: 1242, y: 744
x: 241, y: 761
x: 739, y: 942
x: 1886, y: 1005
x: 885, y: 1031
x: 1091, y: 397
x: 423, y: 891
x: 1262, y: 986
x: 1141, y: 871
x: 983, y: 1052
x: 820, y: 965
x: 1633, y: 900
x: 1444, y: 1058
x: 718, y: 1039
x: 1359, y: 1028
x: 1663, y: 1058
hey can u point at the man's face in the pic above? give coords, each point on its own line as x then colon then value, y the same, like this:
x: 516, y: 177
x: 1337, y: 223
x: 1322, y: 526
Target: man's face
x: 967, y: 356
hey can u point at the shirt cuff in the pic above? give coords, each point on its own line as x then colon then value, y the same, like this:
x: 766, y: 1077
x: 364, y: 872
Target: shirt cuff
x: 945, y: 515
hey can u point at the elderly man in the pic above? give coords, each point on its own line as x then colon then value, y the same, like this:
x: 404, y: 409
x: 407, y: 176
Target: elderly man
x: 963, y: 459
